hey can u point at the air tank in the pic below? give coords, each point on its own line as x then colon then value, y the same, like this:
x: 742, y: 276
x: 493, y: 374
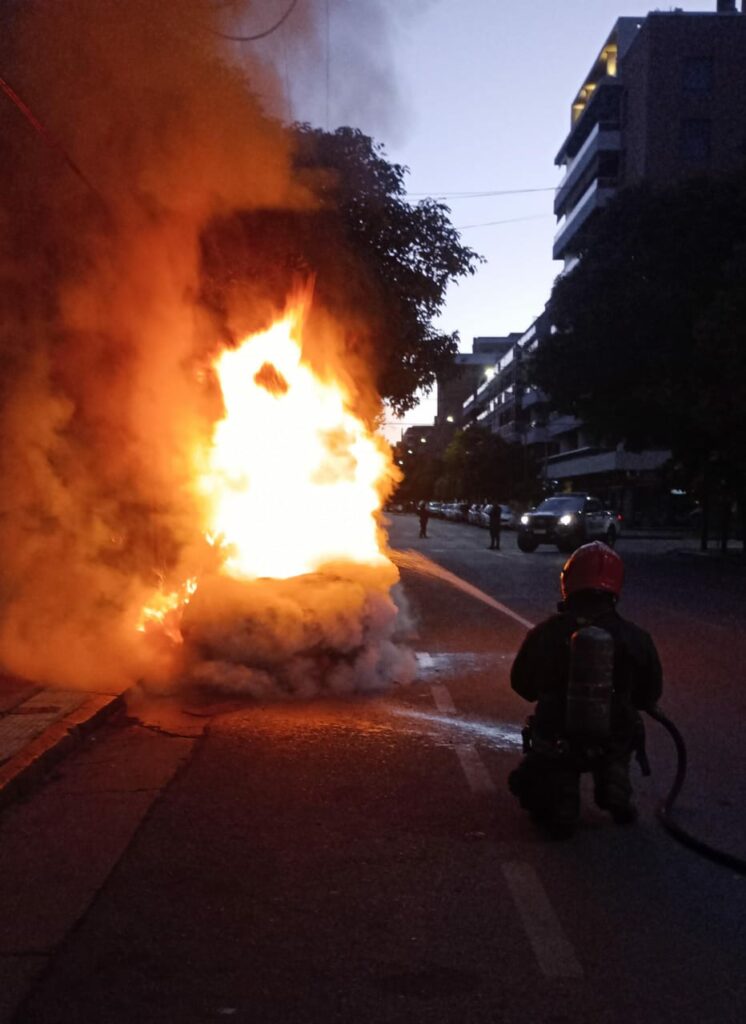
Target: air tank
x: 591, y: 684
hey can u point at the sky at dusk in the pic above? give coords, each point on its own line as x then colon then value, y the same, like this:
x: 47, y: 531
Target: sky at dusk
x: 477, y: 98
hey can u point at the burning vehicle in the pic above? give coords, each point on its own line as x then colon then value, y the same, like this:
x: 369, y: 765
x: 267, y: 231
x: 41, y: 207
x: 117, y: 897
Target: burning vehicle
x: 191, y: 472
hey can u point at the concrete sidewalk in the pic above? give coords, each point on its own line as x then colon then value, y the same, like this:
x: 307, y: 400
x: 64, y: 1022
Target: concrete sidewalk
x: 39, y: 726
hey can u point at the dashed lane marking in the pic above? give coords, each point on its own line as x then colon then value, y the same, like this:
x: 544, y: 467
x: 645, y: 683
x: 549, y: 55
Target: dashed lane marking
x: 443, y: 699
x: 477, y: 776
x: 552, y: 949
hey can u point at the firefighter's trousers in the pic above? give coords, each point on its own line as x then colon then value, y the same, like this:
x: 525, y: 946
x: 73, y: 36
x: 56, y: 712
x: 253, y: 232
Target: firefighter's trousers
x: 549, y: 786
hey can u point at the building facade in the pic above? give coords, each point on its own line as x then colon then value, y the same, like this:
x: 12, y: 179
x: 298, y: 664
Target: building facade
x: 470, y: 370
x: 663, y: 100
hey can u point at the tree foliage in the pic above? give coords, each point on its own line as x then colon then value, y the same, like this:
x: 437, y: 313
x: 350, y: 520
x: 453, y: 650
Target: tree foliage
x: 379, y: 262
x: 649, y: 342
x: 479, y: 465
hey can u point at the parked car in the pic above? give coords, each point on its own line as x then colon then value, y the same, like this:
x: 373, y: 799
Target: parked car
x: 507, y: 517
x: 568, y: 520
x: 456, y: 511
x: 435, y: 508
x: 461, y: 511
x: 473, y: 515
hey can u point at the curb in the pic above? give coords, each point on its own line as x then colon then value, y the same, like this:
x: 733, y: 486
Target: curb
x: 28, y: 766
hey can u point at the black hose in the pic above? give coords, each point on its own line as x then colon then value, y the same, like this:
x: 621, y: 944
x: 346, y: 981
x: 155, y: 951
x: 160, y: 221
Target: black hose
x: 728, y: 860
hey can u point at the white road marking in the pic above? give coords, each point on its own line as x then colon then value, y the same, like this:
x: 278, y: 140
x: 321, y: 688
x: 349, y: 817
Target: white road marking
x: 476, y: 774
x: 553, y: 950
x: 443, y: 699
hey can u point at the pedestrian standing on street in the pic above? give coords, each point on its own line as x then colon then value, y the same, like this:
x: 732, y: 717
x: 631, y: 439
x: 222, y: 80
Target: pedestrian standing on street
x: 495, y: 524
x: 547, y: 782
x: 424, y: 514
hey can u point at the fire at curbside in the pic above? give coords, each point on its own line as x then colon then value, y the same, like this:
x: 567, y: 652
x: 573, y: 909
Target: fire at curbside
x: 178, y: 506
x: 297, y: 600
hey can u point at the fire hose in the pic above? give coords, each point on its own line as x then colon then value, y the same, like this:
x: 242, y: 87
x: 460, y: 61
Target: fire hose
x: 665, y: 807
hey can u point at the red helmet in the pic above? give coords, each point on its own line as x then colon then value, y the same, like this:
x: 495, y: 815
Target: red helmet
x: 592, y: 567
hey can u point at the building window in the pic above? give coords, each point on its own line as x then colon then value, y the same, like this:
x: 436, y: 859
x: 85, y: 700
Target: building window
x: 695, y: 139
x: 697, y: 75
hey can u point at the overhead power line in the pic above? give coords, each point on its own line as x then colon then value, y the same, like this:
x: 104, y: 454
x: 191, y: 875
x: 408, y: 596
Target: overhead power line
x: 510, y: 220
x: 481, y: 195
x: 267, y: 32
x: 45, y: 134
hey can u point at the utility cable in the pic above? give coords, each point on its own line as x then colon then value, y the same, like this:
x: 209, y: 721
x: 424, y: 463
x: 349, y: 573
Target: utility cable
x: 510, y: 220
x: 261, y: 35
x: 729, y: 860
x: 45, y: 134
x: 480, y: 195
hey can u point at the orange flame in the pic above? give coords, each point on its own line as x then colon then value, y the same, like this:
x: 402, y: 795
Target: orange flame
x: 291, y: 479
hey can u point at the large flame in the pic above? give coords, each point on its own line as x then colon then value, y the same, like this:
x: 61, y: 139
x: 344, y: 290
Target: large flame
x: 290, y: 480
x: 292, y: 477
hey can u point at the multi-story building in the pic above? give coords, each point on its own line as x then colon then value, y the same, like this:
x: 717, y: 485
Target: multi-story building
x: 663, y: 100
x: 470, y: 371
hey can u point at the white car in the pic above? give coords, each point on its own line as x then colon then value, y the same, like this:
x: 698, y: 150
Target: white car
x: 507, y: 517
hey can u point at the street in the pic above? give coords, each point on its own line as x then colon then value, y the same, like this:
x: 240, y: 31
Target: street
x: 362, y: 860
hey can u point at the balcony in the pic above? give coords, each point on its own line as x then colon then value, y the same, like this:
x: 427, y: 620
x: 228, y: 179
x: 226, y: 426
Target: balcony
x: 562, y: 424
x: 598, y: 193
x: 603, y: 107
x: 510, y: 433
x: 605, y: 138
x: 531, y: 397
x: 536, y: 435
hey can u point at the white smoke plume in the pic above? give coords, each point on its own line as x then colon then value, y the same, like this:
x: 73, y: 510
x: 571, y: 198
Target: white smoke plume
x: 103, y: 337
x: 332, y: 632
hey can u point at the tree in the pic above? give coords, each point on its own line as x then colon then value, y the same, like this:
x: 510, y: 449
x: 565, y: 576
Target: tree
x: 380, y: 263
x: 648, y: 341
x: 478, y: 464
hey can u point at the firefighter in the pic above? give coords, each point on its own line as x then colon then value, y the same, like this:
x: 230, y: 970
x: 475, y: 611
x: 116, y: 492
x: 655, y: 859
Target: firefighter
x: 547, y: 782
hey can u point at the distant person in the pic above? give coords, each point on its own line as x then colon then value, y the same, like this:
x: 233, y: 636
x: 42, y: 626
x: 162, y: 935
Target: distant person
x: 495, y: 524
x: 424, y: 514
x: 547, y: 782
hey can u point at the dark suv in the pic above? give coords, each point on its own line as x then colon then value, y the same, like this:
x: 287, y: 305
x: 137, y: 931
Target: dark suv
x: 568, y: 520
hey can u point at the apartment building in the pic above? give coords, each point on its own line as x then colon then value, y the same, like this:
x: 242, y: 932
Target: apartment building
x: 470, y: 371
x: 663, y: 100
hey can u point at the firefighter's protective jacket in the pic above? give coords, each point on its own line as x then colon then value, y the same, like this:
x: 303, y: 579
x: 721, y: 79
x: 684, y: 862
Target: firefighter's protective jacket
x: 541, y: 670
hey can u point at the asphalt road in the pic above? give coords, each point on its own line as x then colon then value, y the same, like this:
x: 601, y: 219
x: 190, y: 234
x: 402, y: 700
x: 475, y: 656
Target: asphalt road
x: 362, y: 860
